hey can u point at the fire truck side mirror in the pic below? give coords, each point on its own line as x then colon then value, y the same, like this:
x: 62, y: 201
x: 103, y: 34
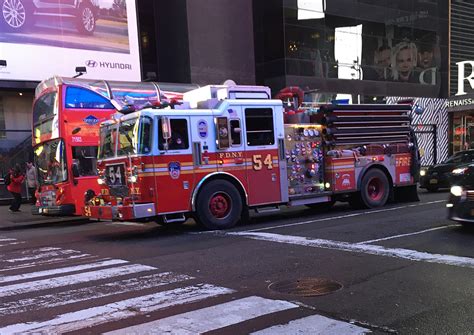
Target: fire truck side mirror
x: 223, y: 141
x: 165, y: 128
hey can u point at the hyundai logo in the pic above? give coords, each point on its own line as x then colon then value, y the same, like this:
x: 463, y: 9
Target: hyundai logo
x: 91, y: 63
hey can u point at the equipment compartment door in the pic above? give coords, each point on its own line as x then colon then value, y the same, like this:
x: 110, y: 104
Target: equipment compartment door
x: 263, y: 172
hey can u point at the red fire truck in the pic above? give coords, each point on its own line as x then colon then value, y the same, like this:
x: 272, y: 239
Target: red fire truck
x: 226, y: 150
x: 67, y: 113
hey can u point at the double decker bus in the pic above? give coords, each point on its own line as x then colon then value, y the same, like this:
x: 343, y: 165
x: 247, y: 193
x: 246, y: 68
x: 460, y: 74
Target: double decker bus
x: 67, y: 113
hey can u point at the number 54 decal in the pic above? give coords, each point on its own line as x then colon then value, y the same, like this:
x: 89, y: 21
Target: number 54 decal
x: 258, y: 164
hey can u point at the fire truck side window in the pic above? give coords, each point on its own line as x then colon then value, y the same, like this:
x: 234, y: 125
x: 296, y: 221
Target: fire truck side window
x: 259, y: 126
x: 179, y: 135
x: 235, y: 132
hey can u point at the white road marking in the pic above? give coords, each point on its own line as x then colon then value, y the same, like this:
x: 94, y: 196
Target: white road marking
x: 314, y: 325
x: 7, y: 239
x: 47, y: 262
x: 210, y: 318
x: 38, y: 274
x: 89, y: 293
x: 409, y: 234
x: 11, y: 243
x: 64, y: 281
x: 344, y: 216
x: 117, y: 311
x: 411, y: 255
x: 34, y: 254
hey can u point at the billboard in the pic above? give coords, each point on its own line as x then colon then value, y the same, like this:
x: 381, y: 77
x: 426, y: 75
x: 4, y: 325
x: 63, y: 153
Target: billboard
x: 42, y: 38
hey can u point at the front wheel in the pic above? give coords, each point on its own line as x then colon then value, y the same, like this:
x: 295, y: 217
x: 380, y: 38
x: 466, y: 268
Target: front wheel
x: 219, y: 205
x: 16, y: 15
x: 86, y: 19
x: 375, y: 189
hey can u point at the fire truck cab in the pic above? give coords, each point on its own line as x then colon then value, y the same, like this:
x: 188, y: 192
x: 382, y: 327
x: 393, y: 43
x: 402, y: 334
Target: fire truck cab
x: 226, y: 150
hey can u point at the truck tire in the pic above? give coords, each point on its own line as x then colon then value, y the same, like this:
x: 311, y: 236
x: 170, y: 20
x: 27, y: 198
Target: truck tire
x: 86, y: 18
x: 219, y: 205
x: 374, y: 189
x: 16, y: 15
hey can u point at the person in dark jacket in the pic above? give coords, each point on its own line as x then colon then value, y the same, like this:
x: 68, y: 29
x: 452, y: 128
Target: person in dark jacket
x: 16, y: 180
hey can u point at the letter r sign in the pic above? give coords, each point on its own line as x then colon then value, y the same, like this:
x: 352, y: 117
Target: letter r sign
x: 462, y: 76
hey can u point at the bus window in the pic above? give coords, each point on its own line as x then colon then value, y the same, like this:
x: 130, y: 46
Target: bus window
x: 77, y: 97
x: 44, y: 110
x: 50, y: 159
x: 86, y: 160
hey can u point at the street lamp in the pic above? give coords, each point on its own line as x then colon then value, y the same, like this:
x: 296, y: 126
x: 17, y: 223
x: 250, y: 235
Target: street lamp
x: 80, y: 70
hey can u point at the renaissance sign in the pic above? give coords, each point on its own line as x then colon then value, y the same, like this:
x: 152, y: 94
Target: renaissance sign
x: 462, y: 78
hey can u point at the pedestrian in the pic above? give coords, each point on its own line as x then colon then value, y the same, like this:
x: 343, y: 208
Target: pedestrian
x: 16, y: 179
x: 31, y: 181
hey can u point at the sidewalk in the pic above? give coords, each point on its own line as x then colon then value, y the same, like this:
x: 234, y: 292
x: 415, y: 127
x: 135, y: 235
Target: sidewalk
x: 12, y: 221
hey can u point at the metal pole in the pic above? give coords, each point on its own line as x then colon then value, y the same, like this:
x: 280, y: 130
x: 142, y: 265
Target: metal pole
x: 435, y: 143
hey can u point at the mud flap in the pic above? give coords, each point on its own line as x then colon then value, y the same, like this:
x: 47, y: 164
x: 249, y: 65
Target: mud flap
x: 406, y: 194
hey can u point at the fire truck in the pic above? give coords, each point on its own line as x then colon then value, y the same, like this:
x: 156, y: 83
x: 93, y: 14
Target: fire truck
x: 226, y: 150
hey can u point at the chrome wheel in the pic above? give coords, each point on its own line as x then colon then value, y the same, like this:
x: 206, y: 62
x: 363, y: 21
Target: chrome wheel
x: 88, y: 19
x: 14, y: 13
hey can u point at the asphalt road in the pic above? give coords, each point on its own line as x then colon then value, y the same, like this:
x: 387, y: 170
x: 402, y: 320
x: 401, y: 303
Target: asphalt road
x: 403, y: 269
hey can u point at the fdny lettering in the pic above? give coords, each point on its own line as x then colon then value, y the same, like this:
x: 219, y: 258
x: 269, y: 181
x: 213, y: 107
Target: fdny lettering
x: 226, y: 155
x: 121, y: 66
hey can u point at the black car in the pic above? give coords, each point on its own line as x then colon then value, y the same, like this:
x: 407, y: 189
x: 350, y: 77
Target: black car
x: 437, y: 176
x: 16, y: 15
x: 461, y: 198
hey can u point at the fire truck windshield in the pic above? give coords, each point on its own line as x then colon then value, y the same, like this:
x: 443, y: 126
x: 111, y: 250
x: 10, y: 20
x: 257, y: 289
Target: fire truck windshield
x: 107, y: 141
x: 50, y: 160
x: 132, y: 137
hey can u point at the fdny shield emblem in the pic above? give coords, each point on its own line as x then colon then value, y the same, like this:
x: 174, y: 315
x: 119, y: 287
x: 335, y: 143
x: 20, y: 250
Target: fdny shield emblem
x: 174, y: 169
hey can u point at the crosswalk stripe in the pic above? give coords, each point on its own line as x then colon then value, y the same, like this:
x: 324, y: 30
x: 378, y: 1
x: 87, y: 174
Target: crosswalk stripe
x: 89, y: 293
x: 11, y: 243
x: 38, y: 274
x: 46, y: 262
x: 7, y: 239
x: 64, y: 281
x: 118, y: 310
x: 34, y: 254
x: 314, y: 325
x: 210, y: 318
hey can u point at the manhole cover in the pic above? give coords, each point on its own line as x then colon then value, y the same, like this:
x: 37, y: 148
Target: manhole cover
x: 306, y: 287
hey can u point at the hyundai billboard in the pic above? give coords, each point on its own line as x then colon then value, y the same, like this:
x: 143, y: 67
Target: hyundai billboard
x: 42, y: 38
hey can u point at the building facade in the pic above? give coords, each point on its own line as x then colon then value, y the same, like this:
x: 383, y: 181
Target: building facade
x: 369, y: 51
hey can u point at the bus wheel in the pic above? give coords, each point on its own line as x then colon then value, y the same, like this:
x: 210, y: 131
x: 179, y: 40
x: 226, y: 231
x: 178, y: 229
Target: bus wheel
x: 375, y: 189
x: 219, y: 205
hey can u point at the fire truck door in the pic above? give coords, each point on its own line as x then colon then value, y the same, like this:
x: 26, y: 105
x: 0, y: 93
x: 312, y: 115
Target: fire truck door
x: 175, y: 176
x: 261, y: 150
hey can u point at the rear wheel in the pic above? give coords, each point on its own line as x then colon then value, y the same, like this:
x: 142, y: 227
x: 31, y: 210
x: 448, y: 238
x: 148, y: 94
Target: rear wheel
x: 219, y: 205
x: 374, y: 190
x: 86, y: 19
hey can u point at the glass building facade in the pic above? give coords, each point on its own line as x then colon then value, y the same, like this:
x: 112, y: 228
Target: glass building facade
x: 366, y: 48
